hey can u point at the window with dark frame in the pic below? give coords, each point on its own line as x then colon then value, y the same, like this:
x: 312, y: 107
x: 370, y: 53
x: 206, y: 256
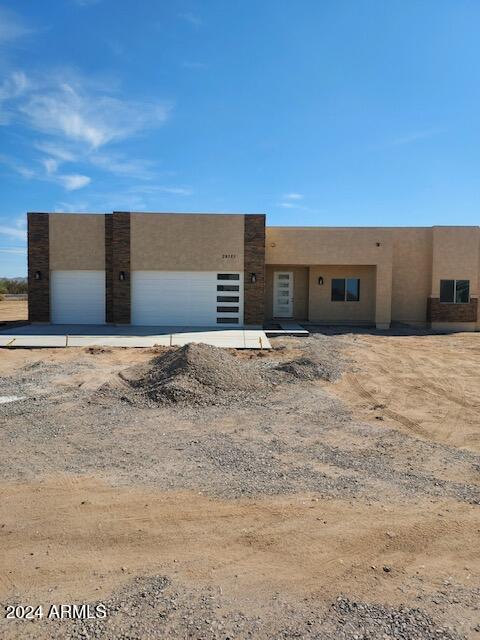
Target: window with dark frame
x: 455, y: 291
x: 345, y: 290
x: 228, y: 287
x: 228, y: 299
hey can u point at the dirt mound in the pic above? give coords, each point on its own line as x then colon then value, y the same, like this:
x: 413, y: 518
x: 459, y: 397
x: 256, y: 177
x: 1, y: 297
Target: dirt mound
x: 305, y: 368
x: 95, y: 350
x: 197, y: 374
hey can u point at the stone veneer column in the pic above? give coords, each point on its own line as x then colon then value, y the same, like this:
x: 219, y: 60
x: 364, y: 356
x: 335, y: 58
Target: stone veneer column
x: 108, y: 267
x: 254, y: 263
x: 38, y: 263
x: 120, y: 263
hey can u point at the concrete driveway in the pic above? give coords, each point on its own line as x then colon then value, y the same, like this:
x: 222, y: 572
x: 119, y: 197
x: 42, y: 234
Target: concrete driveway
x: 50, y: 335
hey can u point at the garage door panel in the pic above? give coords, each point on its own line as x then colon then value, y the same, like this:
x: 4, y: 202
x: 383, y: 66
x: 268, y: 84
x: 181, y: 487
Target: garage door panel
x: 180, y: 298
x: 77, y: 297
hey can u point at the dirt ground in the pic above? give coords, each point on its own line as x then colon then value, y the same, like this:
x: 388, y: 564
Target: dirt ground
x: 13, y: 311
x: 316, y: 510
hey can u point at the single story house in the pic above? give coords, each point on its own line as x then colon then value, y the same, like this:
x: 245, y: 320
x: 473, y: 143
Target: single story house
x: 226, y: 269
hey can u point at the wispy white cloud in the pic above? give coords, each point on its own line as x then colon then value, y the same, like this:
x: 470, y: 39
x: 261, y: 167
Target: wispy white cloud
x: 293, y: 196
x: 292, y: 200
x: 13, y: 85
x: 79, y: 118
x: 140, y: 197
x: 12, y: 26
x: 414, y: 136
x: 16, y: 166
x: 56, y: 150
x: 74, y: 181
x: 77, y: 206
x: 91, y: 119
x: 13, y: 232
x: 152, y: 189
x: 21, y: 221
x: 191, y: 18
x: 15, y: 250
x: 295, y: 200
x: 86, y: 3
x: 50, y: 164
x: 177, y: 191
x: 119, y: 165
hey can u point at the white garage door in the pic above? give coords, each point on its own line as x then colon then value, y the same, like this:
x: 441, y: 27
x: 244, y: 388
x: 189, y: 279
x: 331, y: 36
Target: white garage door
x: 187, y: 298
x: 77, y: 297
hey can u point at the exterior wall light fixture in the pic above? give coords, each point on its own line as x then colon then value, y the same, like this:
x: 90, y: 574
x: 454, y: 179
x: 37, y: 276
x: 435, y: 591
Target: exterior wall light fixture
x: 320, y: 280
x: 38, y: 275
x: 253, y: 278
x: 122, y: 276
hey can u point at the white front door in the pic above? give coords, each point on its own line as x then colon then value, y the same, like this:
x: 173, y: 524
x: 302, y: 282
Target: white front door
x: 283, y: 294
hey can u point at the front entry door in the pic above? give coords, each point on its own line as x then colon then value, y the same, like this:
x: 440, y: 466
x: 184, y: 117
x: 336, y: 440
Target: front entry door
x: 283, y: 294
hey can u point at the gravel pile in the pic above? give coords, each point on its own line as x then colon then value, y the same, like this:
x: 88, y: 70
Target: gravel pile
x: 322, y: 360
x: 361, y: 620
x: 307, y: 369
x: 197, y: 374
x: 157, y: 608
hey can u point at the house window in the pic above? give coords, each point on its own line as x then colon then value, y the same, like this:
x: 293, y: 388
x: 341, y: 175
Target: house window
x: 455, y: 291
x: 228, y: 276
x: 228, y: 298
x: 345, y: 289
x: 228, y: 287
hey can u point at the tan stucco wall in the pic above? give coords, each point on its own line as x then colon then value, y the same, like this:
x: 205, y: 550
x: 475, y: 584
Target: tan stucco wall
x: 370, y: 246
x: 321, y: 307
x: 407, y: 266
x: 186, y: 242
x: 411, y: 273
x: 300, y: 290
x: 455, y: 256
x: 77, y: 241
x: 327, y: 245
x: 478, y: 302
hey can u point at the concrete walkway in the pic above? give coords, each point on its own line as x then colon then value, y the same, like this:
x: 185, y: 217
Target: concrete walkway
x: 288, y: 328
x: 50, y: 335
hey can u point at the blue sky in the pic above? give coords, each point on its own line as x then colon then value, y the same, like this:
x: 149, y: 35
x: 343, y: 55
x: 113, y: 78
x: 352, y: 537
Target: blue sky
x: 316, y: 112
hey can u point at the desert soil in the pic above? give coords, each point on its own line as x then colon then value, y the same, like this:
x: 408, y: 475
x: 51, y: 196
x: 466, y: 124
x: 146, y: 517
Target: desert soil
x: 338, y: 500
x: 13, y: 311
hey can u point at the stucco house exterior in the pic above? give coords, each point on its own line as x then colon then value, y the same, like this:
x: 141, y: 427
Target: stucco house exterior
x: 230, y: 270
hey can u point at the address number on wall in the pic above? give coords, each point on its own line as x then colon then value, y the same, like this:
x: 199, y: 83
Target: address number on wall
x: 229, y: 256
